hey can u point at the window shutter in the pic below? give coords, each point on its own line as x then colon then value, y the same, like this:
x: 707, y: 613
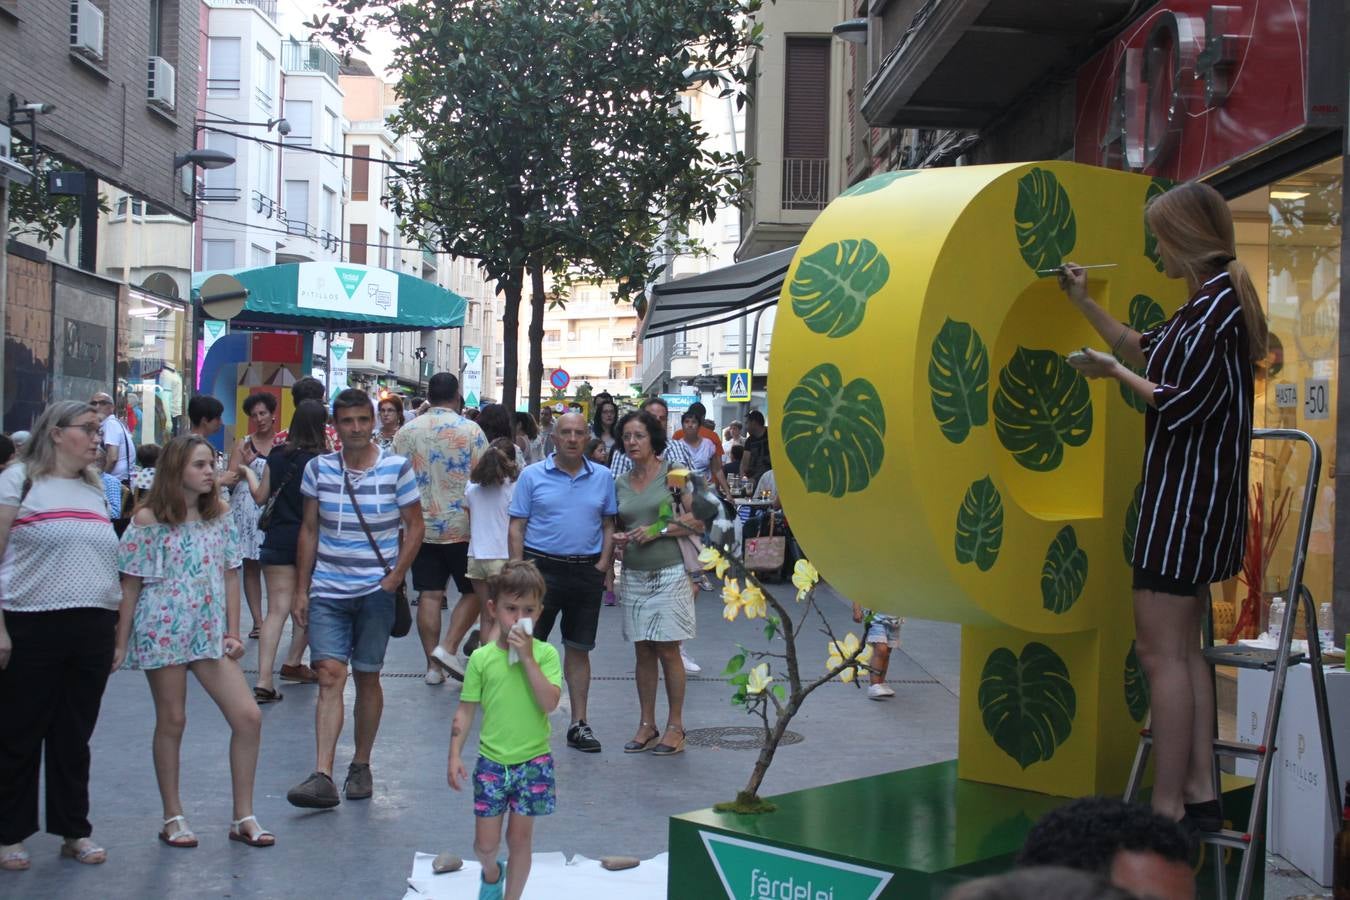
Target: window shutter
x: 356, y: 250
x: 359, y: 339
x: 806, y: 119
x: 361, y: 172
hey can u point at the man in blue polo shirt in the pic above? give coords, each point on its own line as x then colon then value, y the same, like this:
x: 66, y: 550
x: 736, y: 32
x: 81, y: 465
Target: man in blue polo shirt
x: 562, y: 517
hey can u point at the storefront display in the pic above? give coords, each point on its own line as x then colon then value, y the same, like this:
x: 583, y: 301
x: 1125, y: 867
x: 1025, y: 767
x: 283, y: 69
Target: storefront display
x: 154, y: 350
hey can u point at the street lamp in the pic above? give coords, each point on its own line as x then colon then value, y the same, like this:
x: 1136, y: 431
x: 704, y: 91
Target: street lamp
x: 204, y: 157
x: 852, y: 30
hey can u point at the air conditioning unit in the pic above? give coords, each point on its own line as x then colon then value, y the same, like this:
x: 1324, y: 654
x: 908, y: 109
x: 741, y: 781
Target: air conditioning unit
x: 86, y: 29
x: 160, y: 89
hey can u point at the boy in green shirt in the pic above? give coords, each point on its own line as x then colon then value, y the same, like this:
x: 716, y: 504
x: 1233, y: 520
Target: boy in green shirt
x: 518, y: 682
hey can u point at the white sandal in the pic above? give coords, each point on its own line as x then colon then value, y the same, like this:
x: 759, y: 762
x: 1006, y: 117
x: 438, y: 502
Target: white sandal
x: 83, y: 850
x: 182, y: 836
x: 263, y: 837
x: 14, y: 858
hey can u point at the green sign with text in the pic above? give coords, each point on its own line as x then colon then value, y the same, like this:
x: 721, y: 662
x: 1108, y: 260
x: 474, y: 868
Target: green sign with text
x: 751, y: 871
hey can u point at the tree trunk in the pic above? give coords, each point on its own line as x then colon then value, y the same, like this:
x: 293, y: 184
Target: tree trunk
x: 537, y: 304
x: 767, y: 751
x: 511, y: 289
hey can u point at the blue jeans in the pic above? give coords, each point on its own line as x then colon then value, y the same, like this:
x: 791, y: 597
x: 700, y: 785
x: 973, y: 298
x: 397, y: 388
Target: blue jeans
x: 351, y: 628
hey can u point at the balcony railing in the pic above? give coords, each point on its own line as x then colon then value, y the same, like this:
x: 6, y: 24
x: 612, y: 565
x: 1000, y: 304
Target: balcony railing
x: 804, y: 182
x: 308, y: 56
x: 266, y: 7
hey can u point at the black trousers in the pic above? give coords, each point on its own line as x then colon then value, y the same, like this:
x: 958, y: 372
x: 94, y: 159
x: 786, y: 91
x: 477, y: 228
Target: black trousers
x: 49, y: 699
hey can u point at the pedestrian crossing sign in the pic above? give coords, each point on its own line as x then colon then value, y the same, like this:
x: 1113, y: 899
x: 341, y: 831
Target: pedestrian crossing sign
x: 738, y: 385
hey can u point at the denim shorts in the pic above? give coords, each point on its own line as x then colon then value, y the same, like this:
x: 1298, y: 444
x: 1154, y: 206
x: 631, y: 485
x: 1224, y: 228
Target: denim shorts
x: 527, y: 788
x: 354, y: 629
x: 884, y: 631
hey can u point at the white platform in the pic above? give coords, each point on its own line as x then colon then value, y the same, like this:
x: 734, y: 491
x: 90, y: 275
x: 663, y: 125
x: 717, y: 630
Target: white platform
x: 552, y: 877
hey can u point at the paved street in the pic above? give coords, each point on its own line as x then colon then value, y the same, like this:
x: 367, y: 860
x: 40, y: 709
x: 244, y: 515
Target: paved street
x: 610, y: 803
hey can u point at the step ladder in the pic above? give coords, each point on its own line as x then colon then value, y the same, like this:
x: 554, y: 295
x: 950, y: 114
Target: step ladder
x: 1277, y: 661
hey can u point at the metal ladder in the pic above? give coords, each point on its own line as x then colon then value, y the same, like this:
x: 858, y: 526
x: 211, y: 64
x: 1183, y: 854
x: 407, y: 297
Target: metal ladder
x: 1278, y: 661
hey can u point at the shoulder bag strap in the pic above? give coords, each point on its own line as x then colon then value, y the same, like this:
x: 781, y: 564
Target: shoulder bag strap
x: 347, y: 485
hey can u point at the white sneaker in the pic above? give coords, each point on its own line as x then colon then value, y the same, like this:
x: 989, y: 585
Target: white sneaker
x: 690, y: 666
x: 450, y: 662
x: 879, y: 692
x: 434, y: 676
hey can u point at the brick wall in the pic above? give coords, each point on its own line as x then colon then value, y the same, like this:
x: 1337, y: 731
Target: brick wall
x: 102, y: 120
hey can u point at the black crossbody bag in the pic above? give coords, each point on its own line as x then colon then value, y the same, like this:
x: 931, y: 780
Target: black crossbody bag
x: 402, y: 612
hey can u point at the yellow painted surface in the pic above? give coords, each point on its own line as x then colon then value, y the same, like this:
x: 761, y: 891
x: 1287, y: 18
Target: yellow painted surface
x: 951, y: 244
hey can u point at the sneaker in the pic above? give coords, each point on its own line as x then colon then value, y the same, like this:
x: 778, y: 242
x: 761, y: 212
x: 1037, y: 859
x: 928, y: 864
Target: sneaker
x: 690, y: 666
x: 580, y: 737
x: 448, y: 661
x: 879, y: 692
x: 471, y: 643
x: 315, y: 792
x: 434, y: 676
x: 301, y: 674
x: 493, y: 891
x: 358, y: 785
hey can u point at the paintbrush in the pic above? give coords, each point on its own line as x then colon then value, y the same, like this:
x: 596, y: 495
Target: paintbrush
x: 1058, y: 269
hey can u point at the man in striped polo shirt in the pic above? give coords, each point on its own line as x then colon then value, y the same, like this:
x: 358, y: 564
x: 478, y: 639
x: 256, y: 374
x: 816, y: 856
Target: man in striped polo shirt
x: 344, y: 592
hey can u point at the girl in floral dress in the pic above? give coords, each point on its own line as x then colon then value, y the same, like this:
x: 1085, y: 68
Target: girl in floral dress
x: 180, y: 613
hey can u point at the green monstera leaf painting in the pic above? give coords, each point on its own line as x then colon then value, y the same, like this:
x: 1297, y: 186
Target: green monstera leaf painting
x: 1131, y: 525
x: 979, y: 525
x: 1136, y: 686
x: 1041, y: 406
x: 1046, y: 228
x: 1027, y: 702
x: 876, y: 183
x: 1145, y: 313
x: 831, y: 287
x: 958, y: 376
x: 1156, y: 188
x: 1064, y: 572
x: 834, y: 432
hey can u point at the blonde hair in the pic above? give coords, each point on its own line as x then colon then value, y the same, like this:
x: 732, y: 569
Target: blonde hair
x: 1192, y: 222
x: 38, y: 454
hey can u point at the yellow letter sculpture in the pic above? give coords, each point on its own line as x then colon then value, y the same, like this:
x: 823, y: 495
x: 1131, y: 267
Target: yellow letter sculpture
x: 939, y: 458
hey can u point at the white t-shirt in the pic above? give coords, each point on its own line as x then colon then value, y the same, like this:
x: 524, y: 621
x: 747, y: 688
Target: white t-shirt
x: 62, y: 550
x: 701, y: 456
x: 115, y: 434
x: 488, y: 520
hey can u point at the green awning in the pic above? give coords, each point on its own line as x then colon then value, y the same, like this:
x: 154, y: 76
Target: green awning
x: 329, y: 296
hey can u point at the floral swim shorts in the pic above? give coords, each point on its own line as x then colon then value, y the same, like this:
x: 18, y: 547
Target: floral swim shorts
x: 527, y: 788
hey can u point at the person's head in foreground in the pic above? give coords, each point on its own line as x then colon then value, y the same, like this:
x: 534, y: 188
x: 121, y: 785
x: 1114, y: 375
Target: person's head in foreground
x: 1128, y: 843
x: 517, y: 593
x: 1041, y: 883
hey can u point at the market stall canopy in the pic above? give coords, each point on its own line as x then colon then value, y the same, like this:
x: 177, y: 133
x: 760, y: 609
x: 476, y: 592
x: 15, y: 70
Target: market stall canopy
x: 717, y: 296
x: 340, y: 297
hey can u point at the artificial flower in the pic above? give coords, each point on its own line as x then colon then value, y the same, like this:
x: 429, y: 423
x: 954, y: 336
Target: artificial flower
x: 759, y: 679
x: 732, y: 599
x: 804, y: 577
x: 841, y: 651
x: 753, y: 602
x: 711, y: 560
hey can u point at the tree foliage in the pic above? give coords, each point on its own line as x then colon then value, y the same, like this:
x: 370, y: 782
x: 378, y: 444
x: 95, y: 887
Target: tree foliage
x: 552, y: 134
x: 33, y: 211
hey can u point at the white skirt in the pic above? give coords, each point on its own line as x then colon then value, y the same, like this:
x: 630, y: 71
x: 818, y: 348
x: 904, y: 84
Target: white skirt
x: 658, y: 604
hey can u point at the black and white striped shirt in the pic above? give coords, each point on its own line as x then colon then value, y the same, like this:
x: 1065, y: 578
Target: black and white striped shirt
x: 1197, y: 439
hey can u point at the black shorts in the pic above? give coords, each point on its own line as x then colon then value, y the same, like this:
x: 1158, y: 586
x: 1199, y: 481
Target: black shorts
x: 574, y: 591
x: 436, y: 564
x: 1144, y: 580
x: 276, y: 556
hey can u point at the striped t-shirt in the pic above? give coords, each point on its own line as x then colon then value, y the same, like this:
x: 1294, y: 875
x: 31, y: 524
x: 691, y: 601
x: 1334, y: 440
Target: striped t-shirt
x: 346, y: 564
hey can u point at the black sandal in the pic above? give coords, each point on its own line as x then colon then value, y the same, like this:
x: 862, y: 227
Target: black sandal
x: 670, y: 749
x: 255, y: 633
x: 643, y: 746
x: 266, y: 695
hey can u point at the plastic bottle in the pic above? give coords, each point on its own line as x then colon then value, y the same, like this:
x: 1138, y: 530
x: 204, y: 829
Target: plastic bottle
x: 1276, y: 618
x: 1324, y: 627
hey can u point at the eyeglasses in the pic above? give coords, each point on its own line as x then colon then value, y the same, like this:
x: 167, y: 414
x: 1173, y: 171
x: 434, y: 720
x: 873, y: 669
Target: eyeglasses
x: 91, y: 430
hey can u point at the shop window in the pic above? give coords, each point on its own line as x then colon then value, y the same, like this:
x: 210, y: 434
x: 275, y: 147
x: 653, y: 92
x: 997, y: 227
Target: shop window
x: 153, y: 356
x: 1289, y: 238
